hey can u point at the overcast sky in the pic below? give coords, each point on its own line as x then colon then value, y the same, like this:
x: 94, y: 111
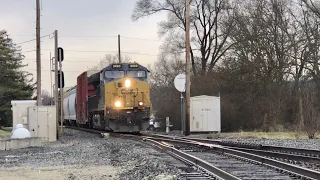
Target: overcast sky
x: 80, y: 18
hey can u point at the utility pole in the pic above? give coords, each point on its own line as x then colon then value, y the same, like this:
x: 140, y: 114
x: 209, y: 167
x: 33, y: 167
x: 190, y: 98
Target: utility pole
x: 119, y: 48
x: 39, y: 102
x: 187, y: 124
x: 56, y: 78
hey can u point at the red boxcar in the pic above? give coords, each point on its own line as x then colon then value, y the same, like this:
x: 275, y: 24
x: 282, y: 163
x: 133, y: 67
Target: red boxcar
x: 82, y: 98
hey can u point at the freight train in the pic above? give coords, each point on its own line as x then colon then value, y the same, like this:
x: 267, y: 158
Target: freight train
x: 115, y: 99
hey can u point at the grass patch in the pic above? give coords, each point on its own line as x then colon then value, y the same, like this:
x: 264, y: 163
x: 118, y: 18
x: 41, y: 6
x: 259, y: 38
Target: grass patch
x: 5, y: 131
x: 255, y: 135
x: 7, y: 128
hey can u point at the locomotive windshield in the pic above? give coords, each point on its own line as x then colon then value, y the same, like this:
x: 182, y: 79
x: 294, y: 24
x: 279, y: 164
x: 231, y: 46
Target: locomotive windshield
x: 136, y: 74
x: 114, y: 74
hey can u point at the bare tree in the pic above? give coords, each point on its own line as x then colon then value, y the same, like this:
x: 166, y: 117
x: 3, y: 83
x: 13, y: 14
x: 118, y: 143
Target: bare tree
x: 262, y: 47
x: 313, y: 6
x: 165, y: 98
x: 270, y: 53
x: 211, y: 24
x: 107, y: 60
x: 310, y: 109
x: 46, y: 98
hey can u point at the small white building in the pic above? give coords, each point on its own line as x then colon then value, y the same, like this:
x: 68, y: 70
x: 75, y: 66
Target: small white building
x: 42, y: 122
x: 205, y: 114
x: 20, y: 111
x: 39, y: 120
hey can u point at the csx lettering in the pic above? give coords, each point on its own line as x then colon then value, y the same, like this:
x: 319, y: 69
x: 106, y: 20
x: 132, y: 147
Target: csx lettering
x: 124, y: 91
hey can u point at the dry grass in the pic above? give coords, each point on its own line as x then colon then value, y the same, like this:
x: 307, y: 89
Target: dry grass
x: 256, y: 135
x: 5, y: 131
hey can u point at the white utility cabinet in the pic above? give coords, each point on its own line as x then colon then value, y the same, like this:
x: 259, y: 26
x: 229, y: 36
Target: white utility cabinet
x: 205, y: 114
x: 42, y: 122
x: 20, y: 113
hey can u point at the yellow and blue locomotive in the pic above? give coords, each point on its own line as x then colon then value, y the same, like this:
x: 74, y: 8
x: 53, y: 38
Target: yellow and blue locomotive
x: 117, y: 99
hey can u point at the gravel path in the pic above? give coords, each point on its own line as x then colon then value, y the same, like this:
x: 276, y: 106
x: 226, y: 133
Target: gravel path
x: 81, y: 155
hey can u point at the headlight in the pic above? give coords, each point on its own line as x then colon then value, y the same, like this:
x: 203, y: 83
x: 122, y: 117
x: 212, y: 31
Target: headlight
x: 127, y: 83
x: 140, y: 103
x: 117, y: 104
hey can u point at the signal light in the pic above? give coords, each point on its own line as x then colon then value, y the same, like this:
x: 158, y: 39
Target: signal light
x: 60, y: 54
x: 60, y: 84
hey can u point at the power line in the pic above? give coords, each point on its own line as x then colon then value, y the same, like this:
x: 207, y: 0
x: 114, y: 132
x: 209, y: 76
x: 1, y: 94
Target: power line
x: 67, y: 61
x: 103, y: 36
x: 28, y: 51
x: 76, y: 36
x: 50, y: 70
x: 96, y: 51
x: 90, y: 36
x: 141, y: 38
x: 33, y: 39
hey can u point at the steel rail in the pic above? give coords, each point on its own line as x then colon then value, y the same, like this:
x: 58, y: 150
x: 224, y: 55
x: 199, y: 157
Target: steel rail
x: 204, y: 165
x: 310, y: 152
x: 300, y: 171
x: 294, y: 157
x: 182, y: 156
x: 292, y: 150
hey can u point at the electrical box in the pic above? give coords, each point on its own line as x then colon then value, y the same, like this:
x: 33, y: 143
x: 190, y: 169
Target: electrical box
x: 42, y: 122
x: 205, y: 114
x: 19, y: 111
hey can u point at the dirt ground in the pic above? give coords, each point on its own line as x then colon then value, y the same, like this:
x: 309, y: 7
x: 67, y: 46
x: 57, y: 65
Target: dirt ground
x: 60, y: 172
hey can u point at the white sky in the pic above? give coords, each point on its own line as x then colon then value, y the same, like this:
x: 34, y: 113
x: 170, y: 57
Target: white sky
x: 80, y: 18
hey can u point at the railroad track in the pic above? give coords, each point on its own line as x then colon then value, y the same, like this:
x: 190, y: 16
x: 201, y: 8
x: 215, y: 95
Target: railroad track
x: 282, y: 149
x: 303, y: 157
x: 202, y: 170
x: 307, y: 158
x: 211, y: 158
x: 292, y: 157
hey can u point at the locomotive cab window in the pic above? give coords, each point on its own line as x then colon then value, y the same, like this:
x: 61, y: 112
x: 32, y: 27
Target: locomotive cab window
x: 136, y: 74
x: 114, y: 74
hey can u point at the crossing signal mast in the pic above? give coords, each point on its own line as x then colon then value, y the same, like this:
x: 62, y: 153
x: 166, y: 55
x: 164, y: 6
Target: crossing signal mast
x: 59, y: 81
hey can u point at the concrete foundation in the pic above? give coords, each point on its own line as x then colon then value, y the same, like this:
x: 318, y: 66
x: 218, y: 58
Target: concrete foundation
x: 9, y: 144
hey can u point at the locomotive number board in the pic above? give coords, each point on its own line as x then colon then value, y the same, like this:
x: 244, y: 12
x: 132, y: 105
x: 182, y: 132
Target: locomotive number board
x: 133, y: 65
x: 116, y: 65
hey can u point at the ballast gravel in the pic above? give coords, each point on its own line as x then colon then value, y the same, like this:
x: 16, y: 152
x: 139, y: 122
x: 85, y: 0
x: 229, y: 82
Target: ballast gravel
x: 293, y: 143
x: 299, y: 143
x: 171, y: 133
x: 81, y: 155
